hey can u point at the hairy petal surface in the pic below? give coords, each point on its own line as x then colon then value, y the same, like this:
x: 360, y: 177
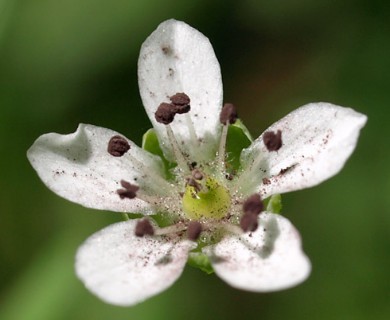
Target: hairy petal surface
x: 268, y: 259
x: 318, y: 138
x: 178, y: 58
x: 79, y: 168
x: 123, y: 269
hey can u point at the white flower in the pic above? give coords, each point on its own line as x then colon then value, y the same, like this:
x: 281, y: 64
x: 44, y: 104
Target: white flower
x: 208, y: 204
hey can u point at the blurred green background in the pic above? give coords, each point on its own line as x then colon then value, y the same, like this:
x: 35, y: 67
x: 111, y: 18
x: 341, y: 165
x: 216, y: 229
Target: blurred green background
x: 65, y: 62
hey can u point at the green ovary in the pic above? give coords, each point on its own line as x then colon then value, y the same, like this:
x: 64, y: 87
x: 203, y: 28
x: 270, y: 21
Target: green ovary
x: 213, y: 201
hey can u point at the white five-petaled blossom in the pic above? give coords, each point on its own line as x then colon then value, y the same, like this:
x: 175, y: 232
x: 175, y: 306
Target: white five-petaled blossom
x: 210, y: 207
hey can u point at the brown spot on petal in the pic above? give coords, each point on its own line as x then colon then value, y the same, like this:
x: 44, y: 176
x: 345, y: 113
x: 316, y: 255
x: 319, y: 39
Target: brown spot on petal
x: 266, y: 181
x: 144, y: 227
x: 118, y: 146
x: 193, y: 231
x: 272, y: 140
x: 285, y: 170
x: 228, y: 114
x: 166, y: 50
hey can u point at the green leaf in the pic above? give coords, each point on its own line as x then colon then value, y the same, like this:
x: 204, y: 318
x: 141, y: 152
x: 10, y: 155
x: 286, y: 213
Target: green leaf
x: 238, y: 138
x: 200, y: 261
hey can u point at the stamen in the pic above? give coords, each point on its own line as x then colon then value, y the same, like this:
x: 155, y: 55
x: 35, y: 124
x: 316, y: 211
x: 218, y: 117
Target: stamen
x: 182, y: 102
x: 222, y: 150
x: 227, y: 116
x: 180, y: 99
x: 165, y: 113
x: 183, y: 109
x: 181, y: 160
x: 175, y: 228
x: 144, y: 227
x: 229, y: 176
x: 155, y: 179
x: 273, y: 141
x: 227, y: 226
x: 252, y: 208
x: 197, y: 175
x: 249, y: 222
x: 253, y: 204
x: 193, y: 183
x: 193, y: 231
x: 118, y: 146
x: 191, y: 130
x: 233, y: 229
x: 129, y: 190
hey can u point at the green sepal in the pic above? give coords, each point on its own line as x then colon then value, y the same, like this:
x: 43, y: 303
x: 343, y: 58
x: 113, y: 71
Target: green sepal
x: 131, y: 216
x: 274, y: 203
x: 200, y: 261
x: 162, y: 220
x: 240, y: 124
x: 125, y: 216
x: 238, y: 138
x: 150, y: 143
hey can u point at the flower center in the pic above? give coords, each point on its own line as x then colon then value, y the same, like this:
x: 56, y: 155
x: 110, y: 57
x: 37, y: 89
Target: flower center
x: 207, y: 200
x: 208, y: 194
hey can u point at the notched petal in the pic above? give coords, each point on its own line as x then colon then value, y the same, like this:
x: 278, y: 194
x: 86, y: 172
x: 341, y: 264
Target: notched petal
x: 177, y: 58
x: 269, y: 259
x: 79, y: 167
x: 123, y: 269
x: 318, y: 139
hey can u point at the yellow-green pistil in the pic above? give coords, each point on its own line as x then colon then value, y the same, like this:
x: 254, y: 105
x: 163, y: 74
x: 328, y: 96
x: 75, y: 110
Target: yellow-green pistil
x: 211, y: 201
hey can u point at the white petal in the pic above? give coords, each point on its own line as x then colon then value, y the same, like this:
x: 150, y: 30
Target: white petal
x: 318, y: 138
x: 123, y: 269
x: 268, y: 259
x: 178, y: 58
x: 78, y: 167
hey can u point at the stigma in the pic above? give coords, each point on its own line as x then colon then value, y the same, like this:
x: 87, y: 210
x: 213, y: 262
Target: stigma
x: 208, y: 199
